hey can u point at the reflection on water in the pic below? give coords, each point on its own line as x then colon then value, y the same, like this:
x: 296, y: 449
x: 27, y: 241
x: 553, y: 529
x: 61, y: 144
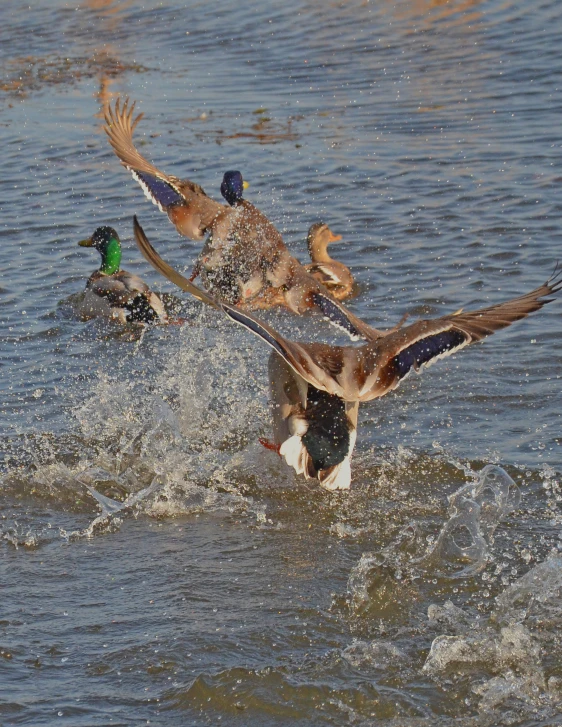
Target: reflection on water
x: 111, y: 14
x: 94, y: 56
x: 157, y: 562
x: 427, y: 12
x: 30, y: 74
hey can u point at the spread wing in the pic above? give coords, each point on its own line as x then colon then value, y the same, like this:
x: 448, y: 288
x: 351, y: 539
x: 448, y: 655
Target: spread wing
x: 340, y: 317
x: 370, y: 371
x: 421, y: 344
x: 162, y: 189
x: 324, y: 367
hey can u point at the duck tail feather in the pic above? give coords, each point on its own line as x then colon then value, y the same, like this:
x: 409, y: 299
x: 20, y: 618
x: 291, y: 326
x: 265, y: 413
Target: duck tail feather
x: 337, y: 477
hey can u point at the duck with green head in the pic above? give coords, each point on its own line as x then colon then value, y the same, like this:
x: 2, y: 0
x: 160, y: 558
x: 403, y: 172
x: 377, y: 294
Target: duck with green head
x: 115, y: 293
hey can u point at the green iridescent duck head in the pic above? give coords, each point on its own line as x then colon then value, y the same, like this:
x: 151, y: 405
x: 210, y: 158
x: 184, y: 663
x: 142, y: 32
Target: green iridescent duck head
x: 107, y: 243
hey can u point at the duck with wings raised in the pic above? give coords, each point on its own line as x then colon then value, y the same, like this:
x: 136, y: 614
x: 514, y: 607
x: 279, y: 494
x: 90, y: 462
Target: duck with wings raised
x: 244, y: 258
x: 317, y: 388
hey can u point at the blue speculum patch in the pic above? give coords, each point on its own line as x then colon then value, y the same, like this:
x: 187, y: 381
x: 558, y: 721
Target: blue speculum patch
x: 162, y: 191
x: 423, y: 351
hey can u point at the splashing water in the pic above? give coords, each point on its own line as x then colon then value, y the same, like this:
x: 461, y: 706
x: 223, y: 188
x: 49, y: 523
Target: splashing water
x: 475, y: 511
x: 395, y: 574
x: 109, y: 506
x: 513, y: 646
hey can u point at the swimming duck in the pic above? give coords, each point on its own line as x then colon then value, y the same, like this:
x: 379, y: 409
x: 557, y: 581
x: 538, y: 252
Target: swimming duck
x: 335, y: 276
x: 115, y: 293
x: 317, y: 388
x: 244, y: 260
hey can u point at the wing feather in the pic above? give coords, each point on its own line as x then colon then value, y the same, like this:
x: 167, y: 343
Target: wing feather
x: 119, y: 127
x: 164, y: 190
x: 481, y: 323
x: 339, y: 316
x: 118, y: 289
x: 424, y: 342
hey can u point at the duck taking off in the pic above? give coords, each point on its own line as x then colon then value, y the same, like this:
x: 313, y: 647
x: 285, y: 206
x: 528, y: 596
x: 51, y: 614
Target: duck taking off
x: 244, y: 260
x: 115, y: 293
x: 334, y: 275
x: 317, y: 387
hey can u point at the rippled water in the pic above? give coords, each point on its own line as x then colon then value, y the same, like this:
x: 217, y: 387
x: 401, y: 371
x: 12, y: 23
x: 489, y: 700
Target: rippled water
x: 227, y: 590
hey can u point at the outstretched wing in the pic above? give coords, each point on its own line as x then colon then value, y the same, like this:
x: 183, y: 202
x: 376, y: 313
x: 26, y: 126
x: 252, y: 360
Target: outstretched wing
x: 368, y: 372
x: 414, y: 347
x: 260, y: 329
x: 340, y: 317
x: 163, y: 190
x: 324, y: 367
x: 481, y: 323
x: 160, y: 188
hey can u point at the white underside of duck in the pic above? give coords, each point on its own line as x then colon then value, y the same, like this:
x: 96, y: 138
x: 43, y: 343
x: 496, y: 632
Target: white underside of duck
x: 337, y: 477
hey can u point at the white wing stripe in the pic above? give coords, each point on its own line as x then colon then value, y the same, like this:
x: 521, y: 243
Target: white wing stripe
x: 146, y: 190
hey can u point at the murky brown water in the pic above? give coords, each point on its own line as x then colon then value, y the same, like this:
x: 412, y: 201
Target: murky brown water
x: 228, y: 591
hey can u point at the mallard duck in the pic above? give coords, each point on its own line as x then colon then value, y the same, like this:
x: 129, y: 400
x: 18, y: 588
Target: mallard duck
x: 335, y: 276
x: 253, y: 262
x: 115, y: 293
x: 244, y: 260
x: 317, y: 387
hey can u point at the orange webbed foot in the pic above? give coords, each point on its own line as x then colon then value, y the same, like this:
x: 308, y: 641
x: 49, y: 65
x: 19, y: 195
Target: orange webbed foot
x: 270, y: 445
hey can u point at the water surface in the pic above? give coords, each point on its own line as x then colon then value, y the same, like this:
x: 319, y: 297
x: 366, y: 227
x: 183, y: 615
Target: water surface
x: 428, y: 135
